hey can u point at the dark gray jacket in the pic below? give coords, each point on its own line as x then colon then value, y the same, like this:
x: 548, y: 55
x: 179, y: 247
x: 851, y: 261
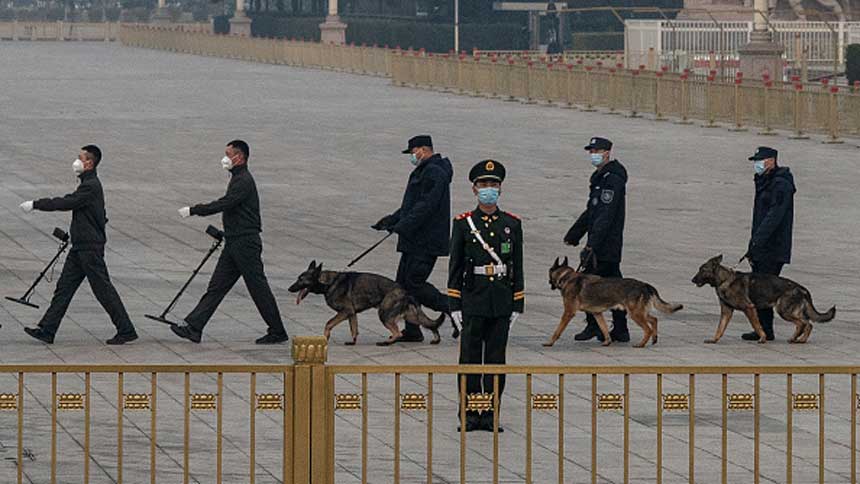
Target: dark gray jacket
x: 87, y: 204
x: 773, y: 216
x: 423, y: 222
x: 603, y: 218
x: 240, y: 205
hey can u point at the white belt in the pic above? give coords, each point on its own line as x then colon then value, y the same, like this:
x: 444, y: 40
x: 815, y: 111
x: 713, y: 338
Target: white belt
x: 491, y: 270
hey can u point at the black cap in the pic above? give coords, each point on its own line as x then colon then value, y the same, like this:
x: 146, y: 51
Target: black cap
x: 487, y: 170
x: 417, y: 142
x: 599, y: 144
x: 763, y: 153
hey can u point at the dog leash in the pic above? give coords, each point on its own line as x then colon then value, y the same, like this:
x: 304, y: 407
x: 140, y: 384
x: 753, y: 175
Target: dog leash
x: 361, y: 256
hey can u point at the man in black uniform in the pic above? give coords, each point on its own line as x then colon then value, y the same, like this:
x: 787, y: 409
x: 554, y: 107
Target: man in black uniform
x: 86, y: 258
x: 603, y: 221
x: 486, y: 287
x: 773, y: 217
x: 422, y: 224
x: 242, y: 254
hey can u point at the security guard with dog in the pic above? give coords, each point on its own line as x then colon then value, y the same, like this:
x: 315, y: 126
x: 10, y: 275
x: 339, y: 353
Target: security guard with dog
x: 485, y: 282
x: 603, y: 221
x: 773, y: 216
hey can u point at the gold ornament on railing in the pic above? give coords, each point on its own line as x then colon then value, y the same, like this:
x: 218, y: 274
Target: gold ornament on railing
x: 545, y: 401
x: 676, y: 402
x: 805, y: 401
x: 8, y: 401
x: 137, y: 401
x: 610, y: 401
x: 740, y: 401
x: 413, y: 401
x: 310, y: 349
x: 347, y: 401
x: 270, y: 401
x: 70, y: 401
x: 479, y: 402
x: 203, y: 401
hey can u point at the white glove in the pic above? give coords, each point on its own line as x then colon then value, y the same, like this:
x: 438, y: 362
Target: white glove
x: 514, y: 317
x: 27, y: 206
x: 185, y: 212
x: 457, y: 316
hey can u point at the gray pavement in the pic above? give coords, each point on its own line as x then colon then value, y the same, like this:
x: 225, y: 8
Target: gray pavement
x: 325, y: 153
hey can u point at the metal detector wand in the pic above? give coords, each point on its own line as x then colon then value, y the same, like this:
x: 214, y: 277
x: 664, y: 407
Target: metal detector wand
x: 218, y: 235
x: 25, y: 299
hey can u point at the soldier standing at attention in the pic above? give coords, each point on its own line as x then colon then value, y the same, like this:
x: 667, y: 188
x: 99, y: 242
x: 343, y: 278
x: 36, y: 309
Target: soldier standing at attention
x: 486, y: 289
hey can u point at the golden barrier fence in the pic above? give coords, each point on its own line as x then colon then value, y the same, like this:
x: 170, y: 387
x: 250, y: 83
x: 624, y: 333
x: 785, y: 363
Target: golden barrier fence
x: 739, y: 104
x: 312, y: 419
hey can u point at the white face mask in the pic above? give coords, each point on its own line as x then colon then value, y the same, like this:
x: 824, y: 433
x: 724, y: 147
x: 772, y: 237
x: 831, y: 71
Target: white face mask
x: 78, y: 166
x: 226, y: 163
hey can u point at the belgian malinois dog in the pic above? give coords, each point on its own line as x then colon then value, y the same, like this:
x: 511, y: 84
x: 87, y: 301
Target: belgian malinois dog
x: 350, y: 293
x: 595, y: 294
x: 743, y: 291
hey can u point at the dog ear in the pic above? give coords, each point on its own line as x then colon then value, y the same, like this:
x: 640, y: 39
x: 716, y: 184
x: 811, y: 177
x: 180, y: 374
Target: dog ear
x: 554, y: 264
x: 719, y: 259
x: 312, y: 265
x: 564, y: 264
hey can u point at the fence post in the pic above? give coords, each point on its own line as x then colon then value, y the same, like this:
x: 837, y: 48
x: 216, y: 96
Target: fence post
x: 312, y: 404
x: 613, y: 89
x: 568, y: 88
x: 658, y: 113
x: 739, y: 116
x: 709, y: 101
x: 529, y: 99
x: 833, y: 117
x: 589, y: 86
x: 798, y: 115
x: 634, y: 105
x: 685, y: 98
x: 768, y: 84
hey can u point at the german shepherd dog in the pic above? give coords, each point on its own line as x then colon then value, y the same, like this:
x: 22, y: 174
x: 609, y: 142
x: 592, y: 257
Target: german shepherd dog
x: 595, y: 294
x: 743, y: 291
x: 350, y: 293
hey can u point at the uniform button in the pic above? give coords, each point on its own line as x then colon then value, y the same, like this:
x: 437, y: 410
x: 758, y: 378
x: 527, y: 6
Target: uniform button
x: 492, y: 234
x: 492, y: 279
x: 486, y: 225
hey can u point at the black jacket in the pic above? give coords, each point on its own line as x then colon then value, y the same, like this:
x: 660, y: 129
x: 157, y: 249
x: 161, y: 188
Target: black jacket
x: 240, y: 206
x: 603, y: 219
x: 87, y: 204
x: 773, y: 216
x: 423, y: 222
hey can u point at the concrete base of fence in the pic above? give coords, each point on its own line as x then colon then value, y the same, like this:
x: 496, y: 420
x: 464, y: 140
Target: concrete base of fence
x: 333, y: 31
x: 758, y: 58
x: 240, y: 24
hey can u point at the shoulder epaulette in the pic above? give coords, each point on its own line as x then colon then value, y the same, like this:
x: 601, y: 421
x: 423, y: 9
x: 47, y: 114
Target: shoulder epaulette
x: 463, y: 215
x: 514, y: 215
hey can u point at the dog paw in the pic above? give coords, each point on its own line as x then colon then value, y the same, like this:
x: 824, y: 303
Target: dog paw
x: 710, y: 341
x: 606, y: 342
x: 639, y: 345
x: 435, y: 341
x: 349, y: 343
x: 762, y: 341
x: 384, y: 343
x: 548, y: 344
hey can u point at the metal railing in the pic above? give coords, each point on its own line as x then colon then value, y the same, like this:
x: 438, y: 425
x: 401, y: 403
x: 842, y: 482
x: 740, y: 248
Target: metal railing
x: 737, y: 103
x: 307, y: 403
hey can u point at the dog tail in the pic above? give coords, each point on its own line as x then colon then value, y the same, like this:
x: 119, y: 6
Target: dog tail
x: 814, y: 315
x: 661, y: 305
x: 414, y: 313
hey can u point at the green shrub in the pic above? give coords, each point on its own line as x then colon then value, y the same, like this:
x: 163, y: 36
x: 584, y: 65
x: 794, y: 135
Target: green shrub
x: 852, y: 63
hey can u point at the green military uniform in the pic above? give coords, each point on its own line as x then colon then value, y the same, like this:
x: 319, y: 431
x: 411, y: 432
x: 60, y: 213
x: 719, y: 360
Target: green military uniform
x: 487, y: 291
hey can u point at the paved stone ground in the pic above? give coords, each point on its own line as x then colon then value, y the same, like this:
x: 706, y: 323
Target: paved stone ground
x: 325, y: 152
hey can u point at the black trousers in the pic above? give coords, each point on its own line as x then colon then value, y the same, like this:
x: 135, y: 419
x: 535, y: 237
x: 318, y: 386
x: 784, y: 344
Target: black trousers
x: 241, y: 257
x: 619, y: 317
x: 484, y: 341
x: 412, y: 275
x: 765, y: 316
x: 89, y: 264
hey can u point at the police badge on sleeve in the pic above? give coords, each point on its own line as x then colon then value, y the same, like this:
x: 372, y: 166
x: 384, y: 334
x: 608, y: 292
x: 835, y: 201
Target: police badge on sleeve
x: 606, y: 196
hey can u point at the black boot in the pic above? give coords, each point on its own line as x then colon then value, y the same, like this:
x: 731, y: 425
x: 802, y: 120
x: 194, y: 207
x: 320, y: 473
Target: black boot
x: 487, y: 422
x: 619, y: 331
x: 591, y: 331
x: 411, y: 334
x: 473, y: 422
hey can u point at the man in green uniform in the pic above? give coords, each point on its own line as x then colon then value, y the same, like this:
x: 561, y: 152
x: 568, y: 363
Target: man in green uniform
x: 485, y: 282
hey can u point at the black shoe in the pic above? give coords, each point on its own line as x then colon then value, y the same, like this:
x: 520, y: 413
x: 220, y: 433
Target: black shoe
x: 472, y: 424
x: 411, y: 337
x: 622, y: 336
x: 40, y: 335
x: 588, y: 333
x: 487, y: 423
x: 121, y: 339
x: 187, y: 332
x: 753, y: 336
x: 272, y: 339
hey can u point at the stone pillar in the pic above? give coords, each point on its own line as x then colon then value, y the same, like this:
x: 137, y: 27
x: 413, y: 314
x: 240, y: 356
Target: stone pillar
x: 332, y: 30
x: 761, y: 55
x: 240, y: 24
x: 161, y: 15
